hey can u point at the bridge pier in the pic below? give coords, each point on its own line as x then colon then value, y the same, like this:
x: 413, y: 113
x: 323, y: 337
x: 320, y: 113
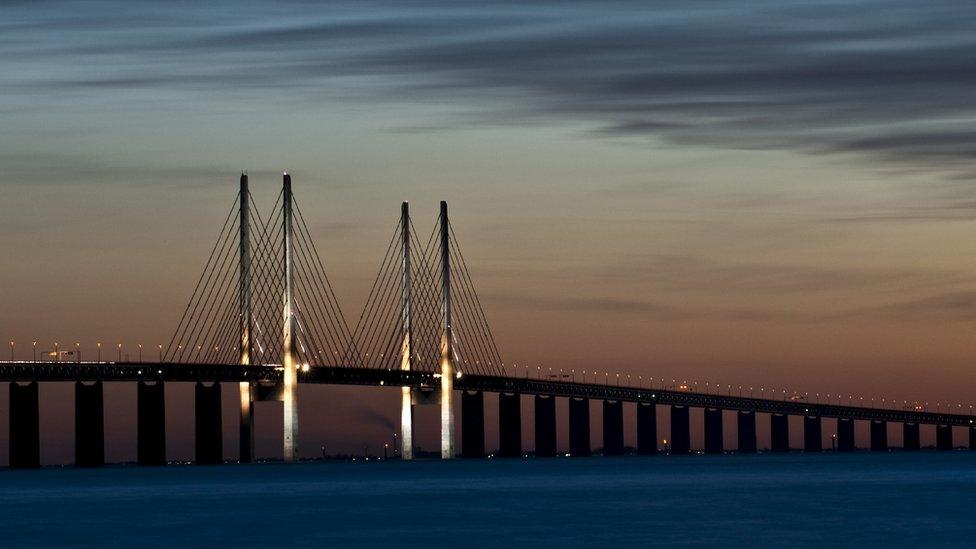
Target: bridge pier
x: 509, y: 424
x: 25, y: 436
x: 545, y: 426
x: 943, y: 437
x: 613, y: 428
x: 246, y: 439
x: 209, y: 431
x: 746, y: 421
x: 779, y: 425
x: 646, y: 429
x: 680, y: 430
x: 910, y: 436
x: 89, y: 425
x: 747, y: 431
x: 845, y: 435
x: 579, y: 427
x: 472, y: 424
x: 879, y: 436
x: 151, y: 420
x: 812, y: 434
x: 972, y: 438
x: 713, y: 431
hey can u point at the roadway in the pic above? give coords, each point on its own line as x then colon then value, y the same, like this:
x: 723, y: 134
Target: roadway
x: 343, y: 375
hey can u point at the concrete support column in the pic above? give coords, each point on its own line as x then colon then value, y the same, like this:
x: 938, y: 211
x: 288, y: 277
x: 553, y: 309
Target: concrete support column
x: 812, y: 434
x: 246, y: 440
x: 713, y: 431
x: 472, y: 424
x: 25, y: 435
x: 579, y: 427
x: 209, y: 432
x: 151, y: 419
x: 89, y: 425
x: 912, y: 440
x: 943, y: 437
x: 509, y: 425
x: 646, y: 429
x: 779, y: 425
x: 613, y: 428
x: 747, y: 431
x: 545, y: 426
x: 845, y: 435
x: 972, y: 438
x: 879, y: 436
x: 680, y: 430
x: 406, y: 423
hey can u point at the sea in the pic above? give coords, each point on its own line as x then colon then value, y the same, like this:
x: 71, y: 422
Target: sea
x: 795, y: 500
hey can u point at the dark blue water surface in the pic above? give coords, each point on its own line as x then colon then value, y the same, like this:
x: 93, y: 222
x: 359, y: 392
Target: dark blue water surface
x: 920, y: 499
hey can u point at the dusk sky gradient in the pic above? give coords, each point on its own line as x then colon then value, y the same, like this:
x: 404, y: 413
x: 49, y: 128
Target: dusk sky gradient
x: 762, y: 193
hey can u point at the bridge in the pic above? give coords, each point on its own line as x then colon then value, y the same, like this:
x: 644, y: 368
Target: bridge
x: 264, y: 316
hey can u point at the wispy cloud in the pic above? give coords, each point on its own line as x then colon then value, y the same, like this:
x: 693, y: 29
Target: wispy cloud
x: 820, y: 77
x: 954, y: 306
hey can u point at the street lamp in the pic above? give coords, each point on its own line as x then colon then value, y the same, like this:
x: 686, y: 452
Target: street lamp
x: 120, y: 352
x: 77, y: 351
x: 99, y: 345
x: 35, y: 351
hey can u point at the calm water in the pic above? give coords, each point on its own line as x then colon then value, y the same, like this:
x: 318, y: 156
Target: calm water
x: 922, y: 498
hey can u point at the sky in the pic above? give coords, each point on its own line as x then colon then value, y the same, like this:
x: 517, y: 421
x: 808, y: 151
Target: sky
x: 773, y: 194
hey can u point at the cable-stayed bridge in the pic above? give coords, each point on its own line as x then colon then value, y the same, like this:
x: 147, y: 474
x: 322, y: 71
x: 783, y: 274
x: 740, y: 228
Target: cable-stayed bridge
x: 264, y: 316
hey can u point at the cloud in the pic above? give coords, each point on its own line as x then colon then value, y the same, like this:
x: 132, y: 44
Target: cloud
x: 667, y: 273
x: 821, y: 77
x: 650, y: 310
x: 43, y: 168
x: 948, y: 306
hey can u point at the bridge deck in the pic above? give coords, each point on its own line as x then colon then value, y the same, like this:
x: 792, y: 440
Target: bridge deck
x: 340, y: 375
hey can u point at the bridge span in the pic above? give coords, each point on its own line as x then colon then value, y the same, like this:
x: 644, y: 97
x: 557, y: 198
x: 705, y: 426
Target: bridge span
x: 151, y: 378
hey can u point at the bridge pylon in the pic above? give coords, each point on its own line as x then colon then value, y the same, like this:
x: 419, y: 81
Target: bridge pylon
x: 423, y: 316
x: 264, y: 299
x: 447, y: 346
x: 246, y: 323
x: 289, y: 378
x: 406, y: 328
